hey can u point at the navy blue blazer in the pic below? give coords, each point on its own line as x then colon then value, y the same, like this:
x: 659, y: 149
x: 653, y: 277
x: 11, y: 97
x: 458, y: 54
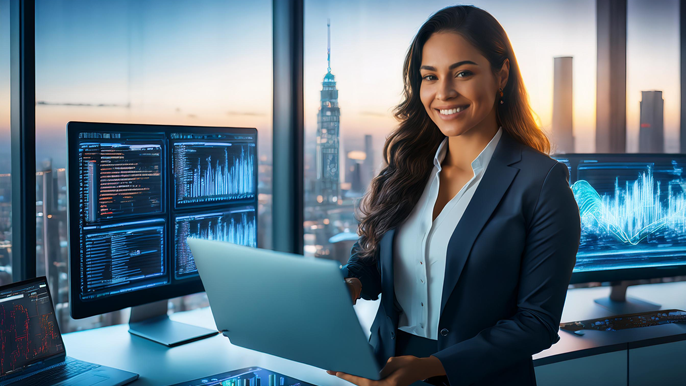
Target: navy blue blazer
x: 509, y: 263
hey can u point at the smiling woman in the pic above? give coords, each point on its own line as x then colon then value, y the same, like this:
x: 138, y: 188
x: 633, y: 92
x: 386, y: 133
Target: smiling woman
x: 468, y: 186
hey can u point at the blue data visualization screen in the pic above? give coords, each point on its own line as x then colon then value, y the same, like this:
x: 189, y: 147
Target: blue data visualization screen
x: 632, y: 209
x: 141, y: 194
x: 236, y: 226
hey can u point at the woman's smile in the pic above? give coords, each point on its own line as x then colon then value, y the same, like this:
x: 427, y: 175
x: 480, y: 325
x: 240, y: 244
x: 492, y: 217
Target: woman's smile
x: 450, y: 113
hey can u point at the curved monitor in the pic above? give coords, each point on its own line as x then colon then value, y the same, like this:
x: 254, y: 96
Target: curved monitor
x: 136, y: 192
x: 633, y: 215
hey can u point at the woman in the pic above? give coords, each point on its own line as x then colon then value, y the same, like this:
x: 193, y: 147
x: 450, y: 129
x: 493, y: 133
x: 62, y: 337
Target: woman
x: 470, y: 232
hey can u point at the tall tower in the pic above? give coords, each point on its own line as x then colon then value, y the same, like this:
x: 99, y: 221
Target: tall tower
x: 651, y: 134
x: 327, y: 184
x: 563, y: 135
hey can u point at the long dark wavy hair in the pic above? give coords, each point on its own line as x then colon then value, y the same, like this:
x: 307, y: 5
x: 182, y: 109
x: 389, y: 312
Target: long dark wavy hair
x: 409, y: 150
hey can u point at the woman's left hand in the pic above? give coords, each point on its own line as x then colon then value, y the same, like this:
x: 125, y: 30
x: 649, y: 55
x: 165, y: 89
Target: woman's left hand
x: 399, y: 371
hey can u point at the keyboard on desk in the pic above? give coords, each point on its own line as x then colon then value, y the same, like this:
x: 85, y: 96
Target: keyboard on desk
x: 623, y: 322
x: 57, y: 373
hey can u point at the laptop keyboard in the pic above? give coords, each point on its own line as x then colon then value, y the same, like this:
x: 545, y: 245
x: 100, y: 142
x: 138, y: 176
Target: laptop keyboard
x: 61, y: 372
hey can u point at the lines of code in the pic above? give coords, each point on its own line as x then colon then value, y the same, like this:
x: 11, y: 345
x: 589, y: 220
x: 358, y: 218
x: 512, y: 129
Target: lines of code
x: 120, y: 179
x: 123, y: 260
x: 213, y: 171
x: 236, y: 227
x: 28, y: 329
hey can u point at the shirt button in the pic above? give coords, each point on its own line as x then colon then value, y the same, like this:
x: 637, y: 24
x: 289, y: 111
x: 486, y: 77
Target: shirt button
x: 422, y: 304
x: 422, y: 280
x: 421, y: 262
x: 392, y: 335
x: 445, y: 332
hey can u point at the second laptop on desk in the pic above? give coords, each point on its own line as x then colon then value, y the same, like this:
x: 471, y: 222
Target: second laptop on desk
x: 33, y: 352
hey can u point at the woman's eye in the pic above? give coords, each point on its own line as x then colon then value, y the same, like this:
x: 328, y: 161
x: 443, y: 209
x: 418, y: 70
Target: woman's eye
x: 467, y: 73
x: 427, y: 77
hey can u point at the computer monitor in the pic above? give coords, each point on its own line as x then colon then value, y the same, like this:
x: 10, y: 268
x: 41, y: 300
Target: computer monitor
x: 633, y: 217
x: 135, y: 193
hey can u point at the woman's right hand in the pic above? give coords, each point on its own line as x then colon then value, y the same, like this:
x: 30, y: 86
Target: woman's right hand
x: 355, y: 287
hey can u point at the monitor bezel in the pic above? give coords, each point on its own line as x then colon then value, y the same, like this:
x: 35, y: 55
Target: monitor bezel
x: 176, y: 288
x: 616, y: 275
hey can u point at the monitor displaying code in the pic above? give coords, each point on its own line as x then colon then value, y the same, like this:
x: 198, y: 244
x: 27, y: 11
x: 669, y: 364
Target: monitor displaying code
x: 142, y: 193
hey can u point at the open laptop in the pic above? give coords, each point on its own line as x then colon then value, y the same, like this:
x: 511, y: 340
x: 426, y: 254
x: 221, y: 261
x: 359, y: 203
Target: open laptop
x: 33, y: 352
x: 285, y: 305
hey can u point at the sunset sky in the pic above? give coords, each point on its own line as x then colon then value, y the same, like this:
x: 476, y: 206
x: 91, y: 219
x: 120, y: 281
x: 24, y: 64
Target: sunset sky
x: 210, y: 62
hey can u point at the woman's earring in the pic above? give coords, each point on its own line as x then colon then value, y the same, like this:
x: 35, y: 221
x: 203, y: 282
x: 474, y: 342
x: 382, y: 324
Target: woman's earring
x: 501, y: 96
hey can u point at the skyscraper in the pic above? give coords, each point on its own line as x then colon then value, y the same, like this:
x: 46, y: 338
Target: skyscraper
x: 563, y: 136
x: 651, y: 135
x: 327, y: 184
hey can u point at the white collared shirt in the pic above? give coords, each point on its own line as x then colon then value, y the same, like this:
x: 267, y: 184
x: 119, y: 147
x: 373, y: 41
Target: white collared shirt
x: 421, y: 245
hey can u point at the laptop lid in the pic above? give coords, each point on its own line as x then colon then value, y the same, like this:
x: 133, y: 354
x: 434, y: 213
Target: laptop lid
x: 285, y: 305
x: 29, y: 333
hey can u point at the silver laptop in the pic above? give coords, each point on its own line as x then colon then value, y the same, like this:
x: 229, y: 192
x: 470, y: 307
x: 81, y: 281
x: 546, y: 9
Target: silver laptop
x: 33, y: 352
x: 284, y: 305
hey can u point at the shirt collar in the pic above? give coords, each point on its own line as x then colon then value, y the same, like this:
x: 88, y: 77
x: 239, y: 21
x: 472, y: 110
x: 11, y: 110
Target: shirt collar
x: 479, y: 162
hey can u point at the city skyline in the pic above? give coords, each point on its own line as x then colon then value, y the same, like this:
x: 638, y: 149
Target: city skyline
x: 70, y: 64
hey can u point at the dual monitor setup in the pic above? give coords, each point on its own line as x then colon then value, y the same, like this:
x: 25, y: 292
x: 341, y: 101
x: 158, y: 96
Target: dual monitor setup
x: 136, y: 192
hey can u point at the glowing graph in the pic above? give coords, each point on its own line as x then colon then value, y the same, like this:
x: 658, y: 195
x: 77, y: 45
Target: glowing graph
x: 236, y: 226
x: 213, y: 171
x: 632, y: 215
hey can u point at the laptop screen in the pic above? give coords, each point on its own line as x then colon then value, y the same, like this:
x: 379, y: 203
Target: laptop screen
x: 28, y: 328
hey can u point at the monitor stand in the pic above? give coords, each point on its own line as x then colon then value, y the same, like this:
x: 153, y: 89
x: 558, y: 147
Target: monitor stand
x: 150, y: 321
x: 620, y: 304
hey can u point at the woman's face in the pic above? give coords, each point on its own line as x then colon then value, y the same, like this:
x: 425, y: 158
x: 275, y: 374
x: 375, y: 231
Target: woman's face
x: 458, y: 89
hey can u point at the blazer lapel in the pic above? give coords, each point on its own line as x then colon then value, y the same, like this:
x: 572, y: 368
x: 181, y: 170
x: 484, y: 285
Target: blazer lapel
x: 386, y: 271
x: 494, y: 183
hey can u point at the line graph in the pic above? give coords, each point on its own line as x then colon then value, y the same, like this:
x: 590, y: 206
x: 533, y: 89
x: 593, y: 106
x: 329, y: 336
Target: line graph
x: 213, y: 171
x: 638, y: 219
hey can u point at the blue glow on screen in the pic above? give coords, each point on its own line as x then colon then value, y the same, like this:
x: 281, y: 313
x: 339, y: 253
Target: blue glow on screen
x: 632, y: 209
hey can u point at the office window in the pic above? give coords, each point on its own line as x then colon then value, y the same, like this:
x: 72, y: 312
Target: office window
x: 158, y: 62
x: 653, y: 92
x: 348, y: 110
x: 5, y: 169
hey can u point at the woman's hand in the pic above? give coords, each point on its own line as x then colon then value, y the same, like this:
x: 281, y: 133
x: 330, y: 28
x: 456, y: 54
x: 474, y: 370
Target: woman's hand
x: 399, y: 371
x: 355, y: 287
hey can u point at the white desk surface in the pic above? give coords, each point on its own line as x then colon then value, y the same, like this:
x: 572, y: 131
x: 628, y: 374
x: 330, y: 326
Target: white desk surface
x: 158, y: 365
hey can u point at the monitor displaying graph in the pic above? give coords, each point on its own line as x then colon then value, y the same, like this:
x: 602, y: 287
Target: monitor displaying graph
x: 212, y: 172
x: 236, y: 226
x: 138, y: 191
x: 632, y: 209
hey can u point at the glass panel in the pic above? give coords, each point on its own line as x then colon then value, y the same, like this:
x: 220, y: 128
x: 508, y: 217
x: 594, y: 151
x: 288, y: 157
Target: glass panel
x: 653, y: 92
x: 180, y: 62
x: 5, y: 169
x: 345, y: 129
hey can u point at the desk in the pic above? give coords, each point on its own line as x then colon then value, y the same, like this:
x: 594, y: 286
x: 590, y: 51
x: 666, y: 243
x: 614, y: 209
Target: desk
x: 158, y: 365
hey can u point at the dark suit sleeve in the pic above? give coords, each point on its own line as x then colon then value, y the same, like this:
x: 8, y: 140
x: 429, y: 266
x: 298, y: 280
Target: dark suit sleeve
x: 549, y: 256
x: 365, y: 269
